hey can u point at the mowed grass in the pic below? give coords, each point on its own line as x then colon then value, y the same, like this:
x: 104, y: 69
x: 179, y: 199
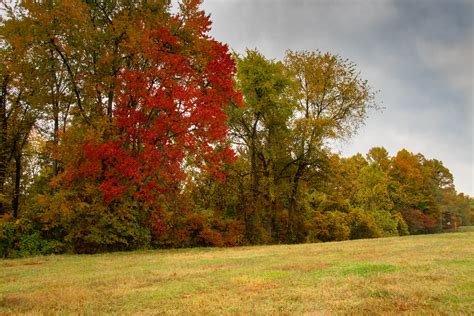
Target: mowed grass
x: 430, y: 274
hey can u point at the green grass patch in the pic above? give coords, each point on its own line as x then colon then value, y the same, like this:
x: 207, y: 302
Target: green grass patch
x: 463, y: 229
x: 349, y: 268
x: 366, y: 269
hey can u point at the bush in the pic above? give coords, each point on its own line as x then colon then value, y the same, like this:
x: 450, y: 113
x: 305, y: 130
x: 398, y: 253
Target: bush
x: 402, y: 226
x: 387, y: 223
x: 232, y: 231
x: 419, y: 222
x: 210, y: 238
x: 184, y: 228
x: 363, y: 225
x: 88, y: 225
x: 20, y: 239
x: 7, y: 232
x: 35, y: 245
x: 97, y: 228
x: 329, y: 226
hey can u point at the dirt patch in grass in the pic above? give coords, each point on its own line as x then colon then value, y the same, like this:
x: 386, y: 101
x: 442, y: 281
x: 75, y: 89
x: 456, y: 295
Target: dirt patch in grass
x: 21, y: 262
x: 308, y: 267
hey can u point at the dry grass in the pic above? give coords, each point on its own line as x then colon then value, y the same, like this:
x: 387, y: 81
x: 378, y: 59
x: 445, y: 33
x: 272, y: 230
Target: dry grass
x: 408, y: 275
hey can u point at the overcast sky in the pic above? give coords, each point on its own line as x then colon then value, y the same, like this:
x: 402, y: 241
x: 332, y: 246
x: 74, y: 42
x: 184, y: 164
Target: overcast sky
x: 417, y: 53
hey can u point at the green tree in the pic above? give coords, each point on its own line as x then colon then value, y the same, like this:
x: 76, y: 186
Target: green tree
x: 259, y: 129
x: 332, y: 102
x: 372, y: 190
x: 379, y: 156
x: 19, y: 111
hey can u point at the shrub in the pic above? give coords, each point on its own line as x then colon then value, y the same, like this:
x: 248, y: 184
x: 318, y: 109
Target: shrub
x: 402, y: 226
x: 363, y: 225
x: 387, y: 223
x: 184, y: 228
x: 96, y: 228
x: 419, y: 222
x: 232, y: 231
x: 89, y: 225
x: 34, y: 244
x: 329, y: 226
x: 6, y: 238
x: 210, y: 238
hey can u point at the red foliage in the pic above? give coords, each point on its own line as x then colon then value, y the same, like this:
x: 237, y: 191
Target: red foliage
x: 191, y: 230
x: 168, y: 115
x: 419, y: 222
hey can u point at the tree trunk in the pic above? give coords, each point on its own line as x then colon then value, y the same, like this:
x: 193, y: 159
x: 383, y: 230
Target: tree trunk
x: 291, y: 234
x: 2, y: 181
x: 55, y: 136
x: 16, y: 195
x: 110, y: 101
x: 3, y: 139
x: 252, y: 217
x: 292, y: 207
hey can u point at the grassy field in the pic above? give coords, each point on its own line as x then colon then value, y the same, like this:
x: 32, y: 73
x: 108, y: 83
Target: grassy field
x: 431, y: 274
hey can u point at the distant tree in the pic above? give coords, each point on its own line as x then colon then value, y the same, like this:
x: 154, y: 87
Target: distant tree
x: 379, y: 156
x: 372, y: 190
x: 422, y: 190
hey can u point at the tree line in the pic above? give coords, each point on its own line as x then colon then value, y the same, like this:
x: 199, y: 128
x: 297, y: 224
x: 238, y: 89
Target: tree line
x: 124, y: 125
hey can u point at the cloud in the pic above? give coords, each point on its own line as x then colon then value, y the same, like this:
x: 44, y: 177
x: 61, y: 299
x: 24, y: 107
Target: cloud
x: 417, y: 53
x: 455, y: 62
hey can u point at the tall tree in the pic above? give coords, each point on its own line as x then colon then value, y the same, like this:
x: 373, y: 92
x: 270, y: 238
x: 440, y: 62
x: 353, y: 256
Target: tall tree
x: 260, y: 131
x: 132, y: 95
x: 333, y: 101
x: 19, y: 111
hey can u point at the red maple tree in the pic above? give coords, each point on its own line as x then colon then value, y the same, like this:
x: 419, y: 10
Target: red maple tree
x: 168, y: 115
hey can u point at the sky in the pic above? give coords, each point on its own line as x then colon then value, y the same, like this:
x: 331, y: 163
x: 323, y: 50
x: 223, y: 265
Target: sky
x: 418, y: 55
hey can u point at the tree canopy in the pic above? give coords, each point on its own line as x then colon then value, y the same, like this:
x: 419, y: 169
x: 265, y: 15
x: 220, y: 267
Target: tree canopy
x: 125, y: 125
